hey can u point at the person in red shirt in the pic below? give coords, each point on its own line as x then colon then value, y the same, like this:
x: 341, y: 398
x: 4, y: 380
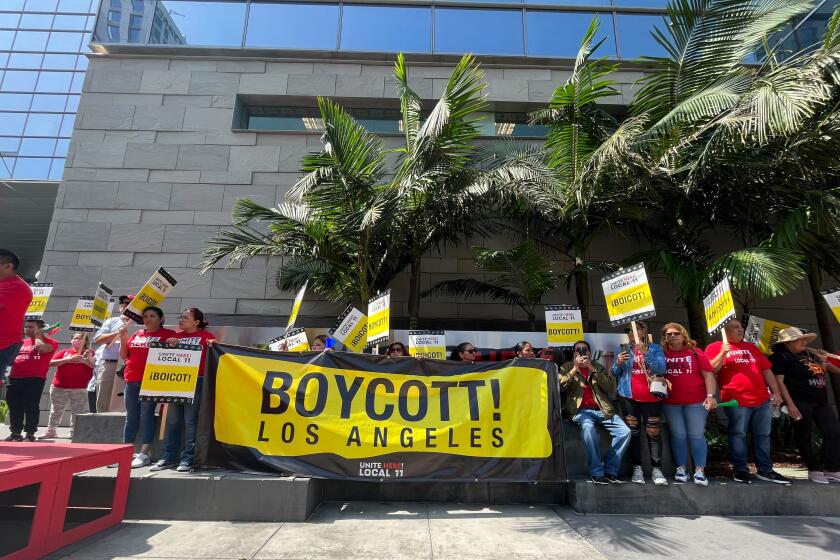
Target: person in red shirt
x: 74, y: 368
x: 691, y: 397
x: 134, y: 350
x: 192, y: 330
x: 745, y: 375
x: 27, y: 379
x: 15, y: 296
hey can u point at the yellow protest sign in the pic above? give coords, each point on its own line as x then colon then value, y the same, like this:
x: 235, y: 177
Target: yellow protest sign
x: 563, y: 325
x: 379, y: 318
x: 762, y: 332
x: 719, y: 306
x: 832, y: 298
x: 628, y: 296
x: 351, y: 330
x: 103, y: 305
x: 80, y: 321
x: 296, y: 306
x: 171, y: 373
x: 40, y: 296
x: 427, y: 344
x: 151, y: 294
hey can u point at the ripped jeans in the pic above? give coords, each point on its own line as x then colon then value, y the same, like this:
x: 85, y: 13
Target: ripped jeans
x: 648, y: 416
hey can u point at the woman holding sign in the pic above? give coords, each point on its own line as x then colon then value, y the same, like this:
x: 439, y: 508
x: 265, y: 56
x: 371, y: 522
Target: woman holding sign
x: 74, y: 369
x: 192, y: 330
x: 134, y: 350
x: 691, y: 398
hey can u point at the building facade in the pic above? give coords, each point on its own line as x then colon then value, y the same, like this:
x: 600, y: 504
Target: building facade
x: 207, y: 102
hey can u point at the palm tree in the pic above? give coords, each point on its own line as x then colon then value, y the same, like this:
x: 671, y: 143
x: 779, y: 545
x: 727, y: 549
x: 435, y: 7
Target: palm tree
x: 522, y: 276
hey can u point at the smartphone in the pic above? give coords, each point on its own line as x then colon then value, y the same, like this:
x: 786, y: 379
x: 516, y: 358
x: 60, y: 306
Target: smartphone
x: 625, y: 348
x: 581, y: 351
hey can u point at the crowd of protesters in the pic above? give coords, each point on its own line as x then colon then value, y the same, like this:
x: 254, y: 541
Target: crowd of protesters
x: 648, y: 382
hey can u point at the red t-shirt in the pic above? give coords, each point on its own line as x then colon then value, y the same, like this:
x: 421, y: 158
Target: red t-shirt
x: 742, y: 375
x: 198, y: 338
x: 15, y: 296
x: 71, y: 375
x: 684, y: 370
x: 138, y: 352
x: 588, y: 399
x: 639, y: 384
x: 30, y: 362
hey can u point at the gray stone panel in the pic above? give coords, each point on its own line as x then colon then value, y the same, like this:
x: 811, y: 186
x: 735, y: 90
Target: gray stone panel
x: 168, y: 260
x: 215, y: 305
x: 138, y: 136
x: 190, y: 283
x: 73, y: 281
x: 144, y: 196
x: 254, y: 158
x: 526, y: 74
x: 199, y: 117
x: 291, y: 156
x: 203, y: 158
x: 263, y: 84
x: 89, y: 194
x: 242, y: 283
x: 151, y: 156
x: 74, y: 236
x: 242, y: 66
x: 193, y: 100
x: 84, y: 174
x: 265, y: 195
x: 135, y: 237
x: 212, y: 218
x: 213, y: 83
x: 105, y: 258
x: 107, y: 117
x: 99, y: 155
x: 310, y: 84
x: 201, y: 198
x: 288, y: 67
x: 229, y: 138
x: 165, y: 81
x: 162, y: 176
x: 115, y: 216
x: 69, y: 215
x: 192, y: 239
x: 167, y: 217
x: 189, y: 65
x: 173, y: 137
x: 165, y: 117
x: 113, y: 80
x: 225, y: 177
x: 360, y: 86
x: 226, y: 101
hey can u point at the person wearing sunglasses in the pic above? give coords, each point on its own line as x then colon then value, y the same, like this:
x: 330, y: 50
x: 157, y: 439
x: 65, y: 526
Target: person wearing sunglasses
x: 588, y: 387
x: 464, y: 352
x: 524, y: 349
x: 633, y: 367
x: 691, y: 397
x: 397, y: 349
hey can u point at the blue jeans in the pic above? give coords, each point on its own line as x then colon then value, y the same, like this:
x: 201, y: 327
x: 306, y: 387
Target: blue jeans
x: 7, y: 358
x: 139, y: 415
x: 757, y: 420
x: 687, y: 424
x: 178, y: 416
x: 589, y: 420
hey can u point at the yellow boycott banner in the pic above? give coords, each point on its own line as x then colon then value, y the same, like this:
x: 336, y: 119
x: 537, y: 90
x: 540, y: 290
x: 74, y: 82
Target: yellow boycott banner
x: 379, y: 318
x: 353, y: 415
x: 563, y: 325
x: 628, y: 296
x: 151, y: 294
x: 351, y: 330
x: 832, y: 298
x: 719, y: 306
x: 40, y: 296
x: 80, y: 321
x: 427, y: 344
x: 762, y: 332
x: 103, y: 305
x: 171, y: 373
x: 296, y: 307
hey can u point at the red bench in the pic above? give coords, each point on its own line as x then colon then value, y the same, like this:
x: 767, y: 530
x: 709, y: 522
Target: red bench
x: 37, y: 495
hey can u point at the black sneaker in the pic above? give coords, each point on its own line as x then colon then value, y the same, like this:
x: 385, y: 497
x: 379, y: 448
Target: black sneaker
x: 773, y: 476
x: 30, y: 437
x: 741, y: 476
x: 14, y: 437
x: 612, y: 479
x: 599, y: 480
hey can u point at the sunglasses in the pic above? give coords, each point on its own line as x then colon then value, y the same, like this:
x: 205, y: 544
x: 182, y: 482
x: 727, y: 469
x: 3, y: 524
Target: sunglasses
x: 470, y: 350
x: 672, y: 334
x: 125, y: 301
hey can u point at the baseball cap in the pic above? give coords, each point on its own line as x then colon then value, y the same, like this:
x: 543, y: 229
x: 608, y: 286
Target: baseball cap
x: 129, y: 297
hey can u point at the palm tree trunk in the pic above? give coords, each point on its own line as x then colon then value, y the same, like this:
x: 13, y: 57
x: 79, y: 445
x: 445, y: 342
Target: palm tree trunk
x: 825, y: 318
x: 582, y: 296
x: 414, y: 293
x: 697, y: 321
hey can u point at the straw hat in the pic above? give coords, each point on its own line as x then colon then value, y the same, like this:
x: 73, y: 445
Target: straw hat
x: 792, y: 333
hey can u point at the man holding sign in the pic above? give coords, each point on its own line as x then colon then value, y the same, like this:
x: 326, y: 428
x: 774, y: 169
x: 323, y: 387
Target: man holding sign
x: 15, y: 296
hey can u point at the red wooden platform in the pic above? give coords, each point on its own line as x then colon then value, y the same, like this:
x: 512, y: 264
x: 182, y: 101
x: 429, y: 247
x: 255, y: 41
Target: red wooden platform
x: 52, y: 466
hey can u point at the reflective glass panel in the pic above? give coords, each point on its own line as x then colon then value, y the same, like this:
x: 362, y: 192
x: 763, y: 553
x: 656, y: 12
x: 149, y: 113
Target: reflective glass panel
x: 31, y: 40
x: 198, y: 23
x: 386, y: 29
x: 36, y: 21
x: 634, y: 38
x: 15, y: 101
x: 20, y: 80
x: 642, y: 3
x: 62, y: 146
x: 11, y: 124
x: 138, y: 6
x: 13, y: 5
x: 74, y: 6
x: 32, y: 168
x: 571, y: 2
x: 54, y: 82
x: 69, y: 22
x: 37, y: 147
x: 312, y: 26
x: 47, y: 102
x: 67, y: 126
x: 42, y: 124
x: 81, y: 62
x: 27, y: 61
x: 64, y: 41
x: 59, y: 61
x: 8, y: 145
x: 40, y: 5
x: 9, y: 20
x: 6, y: 39
x: 6, y: 166
x: 479, y: 31
x: 560, y: 33
x: 57, y: 169
x: 113, y: 33
x: 114, y: 16
x: 78, y: 81
x: 72, y: 103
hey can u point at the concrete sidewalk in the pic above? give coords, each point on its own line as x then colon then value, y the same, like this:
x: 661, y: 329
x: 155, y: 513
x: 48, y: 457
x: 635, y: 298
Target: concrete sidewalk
x: 349, y: 531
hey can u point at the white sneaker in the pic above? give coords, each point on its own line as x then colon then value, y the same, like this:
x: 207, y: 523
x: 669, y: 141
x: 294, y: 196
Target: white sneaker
x: 681, y: 475
x: 140, y: 460
x: 658, y: 478
x: 817, y: 477
x: 700, y: 478
x: 638, y: 475
x: 49, y: 434
x: 832, y: 476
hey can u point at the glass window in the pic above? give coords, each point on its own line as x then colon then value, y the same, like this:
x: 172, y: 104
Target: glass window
x: 89, y: 23
x: 116, y: 4
x: 54, y: 82
x: 309, y: 26
x: 59, y: 61
x: 137, y: 5
x: 634, y: 38
x: 47, y: 102
x: 74, y: 6
x: 78, y: 81
x: 136, y: 21
x: 6, y: 38
x: 36, y: 21
x: 13, y: 5
x: 113, y: 33
x: 40, y: 5
x: 479, y: 31
x: 27, y: 61
x: 57, y: 169
x: 19, y: 80
x: 69, y: 22
x: 6, y: 166
x: 15, y: 101
x: 37, y: 147
x: 67, y: 126
x: 11, y: 124
x: 134, y: 35
x: 9, y: 145
x: 560, y: 33
x: 31, y: 41
x: 64, y: 41
x: 72, y: 103
x: 32, y: 168
x: 386, y: 29
x: 9, y: 20
x: 571, y: 2
x: 200, y: 23
x: 61, y: 147
x: 642, y: 3
x: 42, y: 124
x: 114, y: 16
x: 81, y: 62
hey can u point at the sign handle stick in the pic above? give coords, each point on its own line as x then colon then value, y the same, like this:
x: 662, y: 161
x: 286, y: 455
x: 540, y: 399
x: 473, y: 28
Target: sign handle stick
x: 723, y: 336
x: 635, y: 332
x: 163, y: 414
